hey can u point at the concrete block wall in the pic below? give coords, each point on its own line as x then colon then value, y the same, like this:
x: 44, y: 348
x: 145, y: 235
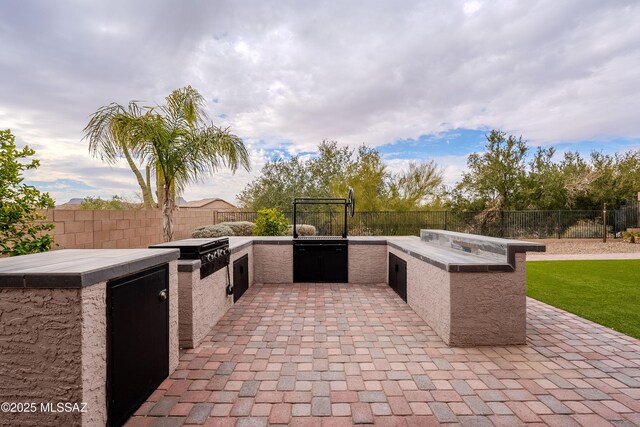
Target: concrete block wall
x: 120, y: 229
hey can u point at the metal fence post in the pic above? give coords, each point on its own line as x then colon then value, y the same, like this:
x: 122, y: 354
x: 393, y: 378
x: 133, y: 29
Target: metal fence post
x: 604, y: 224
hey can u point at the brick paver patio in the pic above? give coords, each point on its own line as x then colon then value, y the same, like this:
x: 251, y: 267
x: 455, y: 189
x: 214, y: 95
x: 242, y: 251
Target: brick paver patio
x: 333, y: 355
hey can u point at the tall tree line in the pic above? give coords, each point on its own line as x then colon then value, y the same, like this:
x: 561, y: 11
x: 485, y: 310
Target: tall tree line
x: 336, y: 169
x: 509, y: 176
x: 506, y: 175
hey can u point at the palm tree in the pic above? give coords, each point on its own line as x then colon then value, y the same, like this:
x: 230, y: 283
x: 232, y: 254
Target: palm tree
x: 173, y: 139
x: 110, y: 139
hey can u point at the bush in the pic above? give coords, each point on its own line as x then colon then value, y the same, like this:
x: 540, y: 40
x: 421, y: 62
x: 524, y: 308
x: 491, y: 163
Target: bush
x: 22, y: 230
x: 270, y: 222
x: 240, y: 228
x: 116, y: 202
x: 585, y: 229
x: 631, y: 236
x: 208, y: 231
x: 303, y: 230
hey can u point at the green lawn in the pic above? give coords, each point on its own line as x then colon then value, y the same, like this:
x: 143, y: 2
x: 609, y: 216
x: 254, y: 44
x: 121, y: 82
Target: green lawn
x: 606, y: 292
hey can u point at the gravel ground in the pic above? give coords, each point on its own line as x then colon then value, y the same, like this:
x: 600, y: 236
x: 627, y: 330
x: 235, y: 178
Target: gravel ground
x: 588, y: 246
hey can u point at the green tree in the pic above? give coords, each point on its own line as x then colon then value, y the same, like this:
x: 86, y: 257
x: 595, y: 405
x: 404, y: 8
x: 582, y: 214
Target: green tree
x: 367, y: 175
x: 332, y: 172
x: 615, y: 178
x: 173, y: 139
x: 577, y: 175
x: 545, y: 187
x: 415, y: 187
x: 21, y: 229
x: 280, y: 181
x: 111, y: 133
x: 116, y: 203
x: 495, y: 179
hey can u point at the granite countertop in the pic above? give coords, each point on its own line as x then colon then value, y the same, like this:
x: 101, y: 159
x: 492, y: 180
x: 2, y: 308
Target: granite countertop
x: 452, y: 260
x: 78, y: 268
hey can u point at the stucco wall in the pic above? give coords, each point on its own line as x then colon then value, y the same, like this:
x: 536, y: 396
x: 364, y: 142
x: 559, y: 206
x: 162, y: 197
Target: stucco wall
x: 53, y: 349
x: 186, y: 279
x: 368, y: 263
x: 174, y: 344
x: 489, y: 308
x: 120, y: 229
x: 272, y: 263
x: 469, y: 309
x: 94, y: 354
x: 428, y: 293
x: 40, y: 352
x: 210, y: 303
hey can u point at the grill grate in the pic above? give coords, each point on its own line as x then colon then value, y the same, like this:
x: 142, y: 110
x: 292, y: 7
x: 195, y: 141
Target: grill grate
x: 320, y: 238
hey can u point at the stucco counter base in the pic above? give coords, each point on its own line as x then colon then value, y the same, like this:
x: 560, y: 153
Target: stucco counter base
x: 53, y: 330
x: 468, y: 300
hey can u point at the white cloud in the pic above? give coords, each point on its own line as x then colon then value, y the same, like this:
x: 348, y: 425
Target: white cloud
x: 471, y: 7
x: 285, y: 75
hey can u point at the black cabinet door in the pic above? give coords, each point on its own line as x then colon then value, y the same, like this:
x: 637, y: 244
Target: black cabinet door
x: 393, y: 274
x: 137, y: 340
x: 398, y: 275
x: 320, y: 263
x: 240, y: 277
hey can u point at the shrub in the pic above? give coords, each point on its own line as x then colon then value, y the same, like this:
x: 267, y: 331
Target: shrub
x: 270, y: 222
x: 116, y: 202
x: 631, y: 236
x: 240, y: 228
x: 22, y: 229
x: 303, y: 230
x: 208, y: 231
x: 585, y: 229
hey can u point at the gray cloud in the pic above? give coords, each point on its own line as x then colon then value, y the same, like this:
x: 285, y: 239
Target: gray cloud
x: 355, y: 71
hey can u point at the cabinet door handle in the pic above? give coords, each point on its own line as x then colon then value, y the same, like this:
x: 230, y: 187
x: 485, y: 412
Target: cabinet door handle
x: 162, y: 295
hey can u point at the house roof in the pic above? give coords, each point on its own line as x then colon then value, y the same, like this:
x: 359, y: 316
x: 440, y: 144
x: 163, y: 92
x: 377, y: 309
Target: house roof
x: 204, y: 202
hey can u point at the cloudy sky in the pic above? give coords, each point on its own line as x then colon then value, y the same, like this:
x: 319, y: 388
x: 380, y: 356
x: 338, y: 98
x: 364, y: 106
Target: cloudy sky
x: 416, y: 79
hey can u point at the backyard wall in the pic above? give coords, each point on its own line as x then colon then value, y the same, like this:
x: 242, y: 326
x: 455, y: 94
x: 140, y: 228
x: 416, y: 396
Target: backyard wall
x: 109, y: 229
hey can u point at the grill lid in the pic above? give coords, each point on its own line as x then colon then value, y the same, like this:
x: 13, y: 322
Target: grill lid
x: 194, y: 248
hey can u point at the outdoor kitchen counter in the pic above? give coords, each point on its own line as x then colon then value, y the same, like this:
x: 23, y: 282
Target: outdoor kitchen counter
x: 54, y: 334
x: 464, y: 260
x: 78, y: 268
x: 470, y: 289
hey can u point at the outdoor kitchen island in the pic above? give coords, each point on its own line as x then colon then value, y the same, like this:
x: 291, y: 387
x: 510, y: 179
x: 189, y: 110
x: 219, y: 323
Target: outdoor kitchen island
x: 470, y: 289
x: 93, y: 329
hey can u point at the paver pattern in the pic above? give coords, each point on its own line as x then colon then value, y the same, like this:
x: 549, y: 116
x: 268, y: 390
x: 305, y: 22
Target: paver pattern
x: 338, y: 355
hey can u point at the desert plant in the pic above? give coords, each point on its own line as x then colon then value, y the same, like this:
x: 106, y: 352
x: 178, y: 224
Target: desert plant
x: 240, y: 228
x: 302, y: 229
x: 116, y: 202
x: 208, y: 231
x: 631, y: 236
x: 21, y: 228
x: 270, y: 222
x: 586, y: 229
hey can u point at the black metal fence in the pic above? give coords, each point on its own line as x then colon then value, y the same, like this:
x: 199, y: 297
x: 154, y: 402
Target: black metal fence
x: 560, y: 224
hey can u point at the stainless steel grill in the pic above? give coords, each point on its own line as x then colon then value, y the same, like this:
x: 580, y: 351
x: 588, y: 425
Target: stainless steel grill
x: 212, y: 253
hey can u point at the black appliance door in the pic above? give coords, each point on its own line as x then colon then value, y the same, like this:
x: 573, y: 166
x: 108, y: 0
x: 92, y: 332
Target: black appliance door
x: 240, y: 277
x: 398, y: 275
x: 320, y: 262
x: 137, y: 340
